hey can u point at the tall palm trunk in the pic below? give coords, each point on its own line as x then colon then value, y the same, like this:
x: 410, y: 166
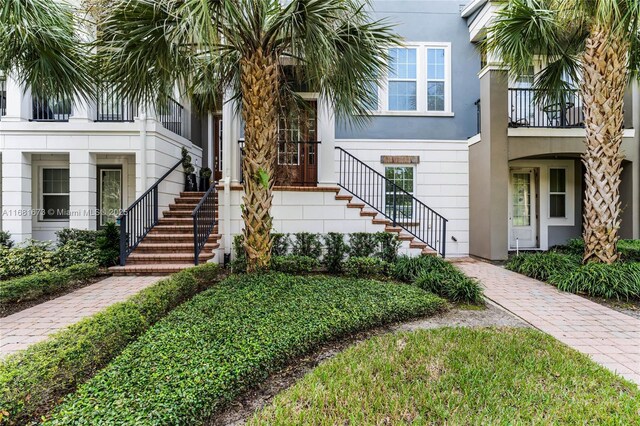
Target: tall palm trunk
x: 259, y: 86
x: 603, y: 86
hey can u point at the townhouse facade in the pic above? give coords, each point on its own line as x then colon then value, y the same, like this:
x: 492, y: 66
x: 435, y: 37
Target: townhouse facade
x: 456, y: 158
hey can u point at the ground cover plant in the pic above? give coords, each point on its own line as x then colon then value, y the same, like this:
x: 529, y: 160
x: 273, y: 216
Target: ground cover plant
x: 457, y: 376
x: 563, y: 268
x: 33, y: 380
x: 229, y: 338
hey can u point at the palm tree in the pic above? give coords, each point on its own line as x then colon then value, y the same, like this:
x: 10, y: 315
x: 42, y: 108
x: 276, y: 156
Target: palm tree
x: 258, y: 51
x: 597, y: 43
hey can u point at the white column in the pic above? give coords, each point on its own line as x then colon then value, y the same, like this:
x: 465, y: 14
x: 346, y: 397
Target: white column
x: 18, y: 102
x: 230, y: 136
x: 83, y: 110
x: 210, y: 142
x: 16, y: 195
x: 82, y: 190
x: 327, y: 138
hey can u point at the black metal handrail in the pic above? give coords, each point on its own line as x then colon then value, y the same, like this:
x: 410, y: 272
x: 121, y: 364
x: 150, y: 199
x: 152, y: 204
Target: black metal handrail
x: 396, y: 204
x: 204, y: 220
x: 111, y: 107
x: 141, y: 216
x: 55, y: 108
x: 171, y: 116
x: 3, y: 98
x: 527, y: 108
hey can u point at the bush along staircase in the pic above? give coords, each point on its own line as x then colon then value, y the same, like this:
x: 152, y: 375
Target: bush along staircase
x: 184, y: 236
x: 391, y: 205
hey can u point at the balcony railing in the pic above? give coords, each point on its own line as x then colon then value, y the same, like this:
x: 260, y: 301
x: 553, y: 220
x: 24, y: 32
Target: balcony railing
x: 54, y: 108
x: 528, y: 110
x: 111, y: 107
x: 172, y: 117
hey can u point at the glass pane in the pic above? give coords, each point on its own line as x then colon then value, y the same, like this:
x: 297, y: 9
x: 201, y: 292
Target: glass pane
x: 55, y: 181
x: 402, y: 63
x: 435, y: 96
x: 402, y: 96
x: 435, y: 64
x: 403, y: 178
x: 557, y: 205
x: 557, y: 178
x: 55, y: 206
x: 110, y: 195
x: 521, y: 201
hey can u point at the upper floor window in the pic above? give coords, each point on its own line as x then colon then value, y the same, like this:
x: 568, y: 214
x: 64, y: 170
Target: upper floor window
x: 418, y: 81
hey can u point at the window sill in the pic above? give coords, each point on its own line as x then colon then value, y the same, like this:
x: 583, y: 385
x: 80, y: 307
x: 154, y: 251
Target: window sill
x: 412, y: 113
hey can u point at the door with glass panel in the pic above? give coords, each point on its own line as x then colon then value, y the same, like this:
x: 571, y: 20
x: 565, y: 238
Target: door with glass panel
x: 522, y: 209
x: 109, y: 194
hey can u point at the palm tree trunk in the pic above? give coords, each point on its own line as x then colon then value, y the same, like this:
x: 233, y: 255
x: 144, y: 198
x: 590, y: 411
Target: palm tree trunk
x: 603, y: 86
x: 259, y: 87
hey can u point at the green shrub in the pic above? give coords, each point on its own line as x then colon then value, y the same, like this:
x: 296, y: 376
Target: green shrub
x: 543, y: 265
x: 407, y: 268
x: 389, y: 246
x: 366, y: 267
x: 280, y: 244
x: 630, y: 250
x: 74, y: 252
x: 363, y: 244
x: 5, y: 239
x: 239, y: 264
x: 108, y: 244
x: 32, y: 381
x: 29, y: 258
x: 230, y: 338
x: 35, y: 285
x: 618, y: 280
x: 72, y: 234
x: 336, y: 251
x: 294, y: 264
x: 307, y: 244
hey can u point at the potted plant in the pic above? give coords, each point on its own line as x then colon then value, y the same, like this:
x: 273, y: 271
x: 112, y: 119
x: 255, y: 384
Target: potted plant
x: 205, y: 178
x: 190, y: 183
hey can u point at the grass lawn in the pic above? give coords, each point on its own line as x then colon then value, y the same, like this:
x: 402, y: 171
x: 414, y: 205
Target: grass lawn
x: 457, y: 376
x: 229, y: 338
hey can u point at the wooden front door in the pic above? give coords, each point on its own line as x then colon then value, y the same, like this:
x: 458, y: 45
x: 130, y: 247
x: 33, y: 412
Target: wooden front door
x: 217, y: 148
x: 297, y: 160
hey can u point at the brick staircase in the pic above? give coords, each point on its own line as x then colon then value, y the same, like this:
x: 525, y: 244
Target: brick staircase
x: 378, y: 219
x: 168, y: 247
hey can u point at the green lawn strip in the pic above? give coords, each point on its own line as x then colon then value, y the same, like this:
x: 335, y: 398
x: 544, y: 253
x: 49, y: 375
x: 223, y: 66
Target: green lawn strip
x: 232, y: 337
x: 457, y: 376
x: 620, y: 280
x: 43, y: 283
x: 34, y: 380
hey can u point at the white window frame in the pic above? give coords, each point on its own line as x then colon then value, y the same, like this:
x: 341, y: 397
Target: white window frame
x: 565, y: 193
x: 421, y: 86
x: 398, y: 165
x: 41, y: 217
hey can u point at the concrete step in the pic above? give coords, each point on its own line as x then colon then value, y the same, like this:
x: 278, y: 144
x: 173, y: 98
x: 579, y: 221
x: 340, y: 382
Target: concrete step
x: 169, y: 258
x: 344, y: 197
x: 417, y: 244
x: 191, y: 194
x: 172, y: 229
x: 355, y: 205
x: 175, y: 220
x: 429, y: 252
x: 368, y: 213
x: 380, y: 221
x: 390, y: 228
x: 172, y: 247
x: 187, y: 200
x: 405, y: 237
x: 149, y: 269
x: 180, y: 213
x: 177, y: 238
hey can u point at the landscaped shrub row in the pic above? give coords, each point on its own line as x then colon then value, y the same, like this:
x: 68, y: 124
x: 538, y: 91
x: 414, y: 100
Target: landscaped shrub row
x: 33, y: 381
x: 620, y: 280
x: 629, y: 249
x: 35, y: 285
x: 229, y: 338
x: 438, y: 276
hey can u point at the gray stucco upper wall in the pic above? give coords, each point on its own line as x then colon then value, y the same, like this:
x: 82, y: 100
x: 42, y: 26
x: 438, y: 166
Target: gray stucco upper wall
x: 429, y: 21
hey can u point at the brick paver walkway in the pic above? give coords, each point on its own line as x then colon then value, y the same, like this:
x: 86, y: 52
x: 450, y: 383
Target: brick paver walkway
x: 609, y: 337
x: 34, y: 324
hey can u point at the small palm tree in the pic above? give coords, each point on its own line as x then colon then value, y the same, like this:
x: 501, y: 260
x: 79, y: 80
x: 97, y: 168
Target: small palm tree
x: 597, y: 43
x: 258, y: 51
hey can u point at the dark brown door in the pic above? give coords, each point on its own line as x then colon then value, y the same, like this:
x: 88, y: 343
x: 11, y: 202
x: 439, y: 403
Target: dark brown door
x: 297, y: 162
x: 217, y: 148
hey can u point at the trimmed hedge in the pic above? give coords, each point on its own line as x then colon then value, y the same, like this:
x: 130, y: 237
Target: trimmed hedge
x: 33, y: 381
x: 230, y: 338
x: 35, y: 285
x: 294, y: 264
x: 434, y: 274
x: 366, y: 267
x: 629, y: 249
x: 543, y: 265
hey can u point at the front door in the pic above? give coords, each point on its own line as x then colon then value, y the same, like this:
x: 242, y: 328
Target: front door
x: 522, y: 209
x: 109, y: 194
x: 297, y: 157
x: 217, y: 148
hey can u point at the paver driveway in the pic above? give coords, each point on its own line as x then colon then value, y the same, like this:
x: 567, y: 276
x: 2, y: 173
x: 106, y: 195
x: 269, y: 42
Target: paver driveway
x: 609, y: 337
x: 34, y: 324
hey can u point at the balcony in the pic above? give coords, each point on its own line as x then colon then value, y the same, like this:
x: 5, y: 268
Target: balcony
x: 525, y: 110
x: 113, y: 108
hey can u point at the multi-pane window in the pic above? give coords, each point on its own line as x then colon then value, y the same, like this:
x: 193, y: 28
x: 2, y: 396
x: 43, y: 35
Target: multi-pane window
x: 295, y: 130
x: 55, y: 194
x: 557, y: 192
x: 521, y: 199
x: 436, y: 79
x: 398, y: 192
x: 403, y: 83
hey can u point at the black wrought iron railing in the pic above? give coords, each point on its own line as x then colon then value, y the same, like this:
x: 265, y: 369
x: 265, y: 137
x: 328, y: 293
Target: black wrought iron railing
x: 204, y: 219
x: 171, y: 117
x: 393, y: 202
x: 478, y: 116
x: 55, y: 108
x: 3, y: 98
x: 527, y: 109
x: 141, y: 216
x: 111, y: 107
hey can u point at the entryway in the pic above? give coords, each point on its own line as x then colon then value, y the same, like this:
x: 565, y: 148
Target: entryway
x: 523, y: 208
